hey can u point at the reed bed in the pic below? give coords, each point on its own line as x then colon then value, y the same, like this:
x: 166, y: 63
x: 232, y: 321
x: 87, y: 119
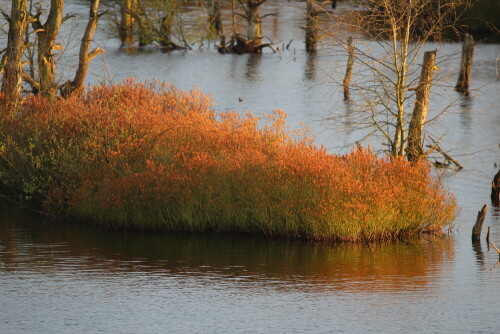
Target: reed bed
x: 150, y: 156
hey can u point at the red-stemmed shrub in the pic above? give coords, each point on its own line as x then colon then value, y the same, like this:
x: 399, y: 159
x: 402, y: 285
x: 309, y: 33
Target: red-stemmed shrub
x: 152, y: 157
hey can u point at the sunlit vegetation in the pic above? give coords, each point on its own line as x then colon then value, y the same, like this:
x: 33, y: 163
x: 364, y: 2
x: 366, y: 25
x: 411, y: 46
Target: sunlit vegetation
x: 149, y: 156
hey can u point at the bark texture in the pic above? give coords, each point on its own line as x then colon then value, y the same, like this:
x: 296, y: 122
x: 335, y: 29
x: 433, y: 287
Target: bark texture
x: 414, y: 150
x: 13, y: 68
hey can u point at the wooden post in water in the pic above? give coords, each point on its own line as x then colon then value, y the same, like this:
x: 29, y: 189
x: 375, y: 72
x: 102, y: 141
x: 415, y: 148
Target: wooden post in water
x: 495, y: 190
x: 476, y: 230
x: 348, y: 71
x: 414, y: 149
x: 463, y: 82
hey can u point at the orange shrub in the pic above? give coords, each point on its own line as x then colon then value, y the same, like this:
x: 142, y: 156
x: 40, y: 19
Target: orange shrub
x: 152, y: 157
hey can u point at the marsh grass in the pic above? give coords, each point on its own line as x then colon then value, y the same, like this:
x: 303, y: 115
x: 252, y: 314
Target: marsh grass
x: 150, y: 156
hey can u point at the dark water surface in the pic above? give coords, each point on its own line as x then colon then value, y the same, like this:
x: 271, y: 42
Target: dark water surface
x: 69, y: 278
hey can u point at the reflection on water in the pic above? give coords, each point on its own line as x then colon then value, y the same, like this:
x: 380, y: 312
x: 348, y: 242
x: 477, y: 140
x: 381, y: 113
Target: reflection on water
x: 310, y: 67
x: 478, y: 251
x: 466, y: 109
x: 253, y: 67
x: 67, y: 278
x: 28, y: 244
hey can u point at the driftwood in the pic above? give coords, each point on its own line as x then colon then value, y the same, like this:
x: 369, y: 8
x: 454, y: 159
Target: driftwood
x: 463, y: 82
x: 447, y: 157
x: 495, y: 190
x: 478, y: 226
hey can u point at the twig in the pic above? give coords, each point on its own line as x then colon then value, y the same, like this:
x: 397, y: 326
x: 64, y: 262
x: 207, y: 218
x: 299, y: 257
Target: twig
x: 491, y: 242
x: 446, y: 156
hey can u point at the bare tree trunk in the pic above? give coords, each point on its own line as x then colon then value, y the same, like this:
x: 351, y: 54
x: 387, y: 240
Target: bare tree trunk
x: 463, y: 82
x: 233, y: 11
x: 166, y: 30
x: 415, y: 148
x: 214, y: 17
x: 311, y: 25
x: 46, y: 41
x: 350, y: 64
x: 254, y: 31
x: 76, y: 86
x: 127, y: 21
x: 13, y: 68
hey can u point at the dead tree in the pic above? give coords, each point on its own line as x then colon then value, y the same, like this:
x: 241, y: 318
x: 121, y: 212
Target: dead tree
x: 463, y: 82
x: 348, y: 71
x: 127, y: 22
x: 254, y: 21
x: 478, y: 226
x: 76, y: 85
x: 414, y: 148
x: 253, y: 41
x: 495, y: 190
x: 214, y: 17
x: 13, y: 58
x: 312, y: 18
x: 46, y: 35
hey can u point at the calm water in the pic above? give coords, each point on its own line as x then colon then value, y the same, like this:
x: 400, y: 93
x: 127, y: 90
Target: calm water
x: 68, y: 278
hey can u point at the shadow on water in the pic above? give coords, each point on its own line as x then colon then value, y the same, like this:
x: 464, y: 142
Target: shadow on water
x: 30, y: 244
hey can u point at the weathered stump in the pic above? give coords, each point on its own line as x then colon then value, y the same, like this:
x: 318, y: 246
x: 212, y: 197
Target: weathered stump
x: 476, y: 230
x: 463, y: 82
x: 495, y: 190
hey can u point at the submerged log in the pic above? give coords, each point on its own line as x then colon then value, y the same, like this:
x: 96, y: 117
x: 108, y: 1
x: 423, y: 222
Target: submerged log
x: 419, y: 115
x: 495, y: 190
x: 478, y: 226
x: 348, y: 72
x: 463, y: 82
